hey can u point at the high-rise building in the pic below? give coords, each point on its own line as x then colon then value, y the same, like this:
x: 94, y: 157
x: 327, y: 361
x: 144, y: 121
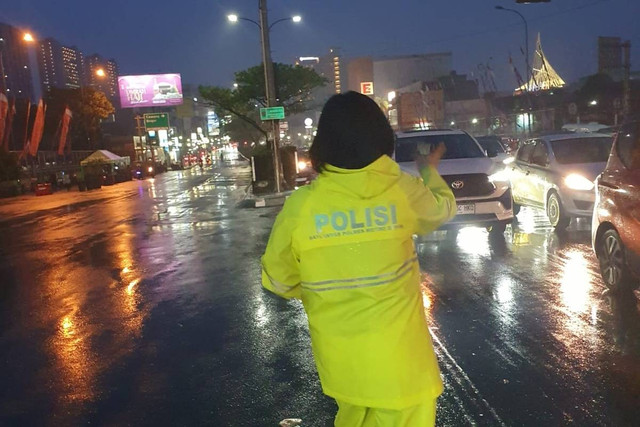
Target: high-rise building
x: 610, y: 56
x: 328, y: 66
x: 15, y: 60
x: 112, y: 78
x: 50, y: 62
x: 102, y: 75
x: 60, y: 66
x: 73, y: 63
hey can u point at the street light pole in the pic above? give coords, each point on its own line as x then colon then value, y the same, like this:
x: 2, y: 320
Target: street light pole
x: 526, y: 41
x: 526, y: 59
x: 3, y: 88
x: 270, y: 87
x: 269, y: 78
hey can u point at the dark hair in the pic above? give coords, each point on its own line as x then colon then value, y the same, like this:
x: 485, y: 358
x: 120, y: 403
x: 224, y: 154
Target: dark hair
x: 352, y: 133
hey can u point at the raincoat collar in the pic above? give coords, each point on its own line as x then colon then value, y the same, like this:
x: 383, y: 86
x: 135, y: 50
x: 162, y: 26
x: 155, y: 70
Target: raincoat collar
x: 370, y: 181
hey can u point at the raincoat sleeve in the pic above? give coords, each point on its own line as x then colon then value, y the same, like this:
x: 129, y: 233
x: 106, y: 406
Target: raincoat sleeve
x: 280, y: 272
x: 431, y: 199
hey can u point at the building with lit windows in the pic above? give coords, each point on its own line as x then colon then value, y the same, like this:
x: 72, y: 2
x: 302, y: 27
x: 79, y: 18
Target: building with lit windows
x: 73, y: 63
x: 15, y: 59
x: 107, y: 83
x: 60, y: 66
x: 328, y: 66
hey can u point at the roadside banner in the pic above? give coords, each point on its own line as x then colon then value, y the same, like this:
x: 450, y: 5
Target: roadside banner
x: 38, y: 129
x: 64, y: 130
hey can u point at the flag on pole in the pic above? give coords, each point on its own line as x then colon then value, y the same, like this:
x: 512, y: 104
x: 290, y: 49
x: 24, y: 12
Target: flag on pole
x: 38, y: 129
x: 64, y: 130
x: 4, y: 109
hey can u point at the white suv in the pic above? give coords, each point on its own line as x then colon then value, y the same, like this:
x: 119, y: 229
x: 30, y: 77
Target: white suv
x: 481, y: 187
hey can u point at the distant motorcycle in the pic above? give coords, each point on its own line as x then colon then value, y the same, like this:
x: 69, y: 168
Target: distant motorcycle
x: 142, y: 171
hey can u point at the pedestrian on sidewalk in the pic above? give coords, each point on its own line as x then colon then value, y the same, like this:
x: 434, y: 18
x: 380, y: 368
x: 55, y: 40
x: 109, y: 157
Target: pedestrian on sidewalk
x: 344, y: 245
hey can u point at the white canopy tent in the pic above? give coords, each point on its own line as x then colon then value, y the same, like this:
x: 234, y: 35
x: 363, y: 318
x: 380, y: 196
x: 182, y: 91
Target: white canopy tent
x: 105, y: 156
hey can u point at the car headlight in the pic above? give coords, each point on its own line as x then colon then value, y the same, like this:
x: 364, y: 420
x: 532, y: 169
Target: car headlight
x: 302, y: 165
x: 578, y: 182
x: 500, y: 176
x: 509, y: 160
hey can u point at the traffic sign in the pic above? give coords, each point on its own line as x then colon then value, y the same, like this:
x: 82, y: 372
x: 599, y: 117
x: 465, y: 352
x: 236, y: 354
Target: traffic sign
x: 156, y: 121
x: 272, y: 113
x: 573, y: 109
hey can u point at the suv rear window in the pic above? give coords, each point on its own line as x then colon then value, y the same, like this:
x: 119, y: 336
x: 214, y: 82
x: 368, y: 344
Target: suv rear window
x: 459, y: 146
x: 582, y: 150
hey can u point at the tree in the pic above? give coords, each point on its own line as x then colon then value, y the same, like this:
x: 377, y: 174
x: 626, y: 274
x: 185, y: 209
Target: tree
x: 88, y: 106
x: 294, y: 85
x: 9, y: 169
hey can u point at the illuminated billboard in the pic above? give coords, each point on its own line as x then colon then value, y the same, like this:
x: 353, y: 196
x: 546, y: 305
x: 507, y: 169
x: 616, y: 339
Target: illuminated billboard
x: 151, y: 90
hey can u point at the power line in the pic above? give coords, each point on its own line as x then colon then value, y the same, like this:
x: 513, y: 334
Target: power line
x: 494, y: 29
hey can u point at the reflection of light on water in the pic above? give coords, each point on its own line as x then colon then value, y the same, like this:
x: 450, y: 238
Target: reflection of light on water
x: 67, y: 327
x: 427, y: 295
x: 261, y: 314
x: 132, y: 285
x: 126, y: 270
x: 473, y: 241
x: 521, y: 239
x: 575, y: 282
x: 71, y: 348
x: 527, y: 220
x: 504, y: 294
x: 152, y: 188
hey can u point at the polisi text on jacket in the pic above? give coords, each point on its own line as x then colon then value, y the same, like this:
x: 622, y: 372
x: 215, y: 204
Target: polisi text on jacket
x: 377, y: 216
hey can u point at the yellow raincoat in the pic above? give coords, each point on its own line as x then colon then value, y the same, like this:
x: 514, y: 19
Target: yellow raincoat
x: 344, y: 246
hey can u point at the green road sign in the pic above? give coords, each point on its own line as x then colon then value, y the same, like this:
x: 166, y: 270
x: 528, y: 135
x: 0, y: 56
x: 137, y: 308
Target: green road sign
x: 272, y: 113
x: 155, y: 121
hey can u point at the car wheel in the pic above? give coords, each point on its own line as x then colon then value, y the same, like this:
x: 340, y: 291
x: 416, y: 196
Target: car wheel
x: 497, y: 228
x: 555, y: 212
x: 516, y: 208
x: 613, y: 262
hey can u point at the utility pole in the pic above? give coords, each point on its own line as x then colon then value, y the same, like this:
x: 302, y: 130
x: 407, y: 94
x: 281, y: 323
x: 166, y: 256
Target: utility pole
x: 270, y: 86
x: 140, y: 130
x: 3, y: 82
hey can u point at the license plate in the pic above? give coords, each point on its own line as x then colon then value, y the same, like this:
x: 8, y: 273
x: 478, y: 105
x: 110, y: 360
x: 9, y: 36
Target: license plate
x: 468, y: 209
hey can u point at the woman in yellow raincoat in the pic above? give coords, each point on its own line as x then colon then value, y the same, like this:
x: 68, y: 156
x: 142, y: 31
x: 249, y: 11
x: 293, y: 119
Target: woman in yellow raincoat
x: 344, y: 246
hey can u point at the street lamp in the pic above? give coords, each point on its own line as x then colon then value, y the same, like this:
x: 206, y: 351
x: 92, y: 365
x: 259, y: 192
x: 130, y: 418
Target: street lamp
x: 100, y: 72
x: 28, y: 38
x: 270, y: 85
x: 526, y: 40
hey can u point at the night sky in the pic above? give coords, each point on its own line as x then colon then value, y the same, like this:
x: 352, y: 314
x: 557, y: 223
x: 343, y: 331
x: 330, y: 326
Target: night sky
x: 193, y: 37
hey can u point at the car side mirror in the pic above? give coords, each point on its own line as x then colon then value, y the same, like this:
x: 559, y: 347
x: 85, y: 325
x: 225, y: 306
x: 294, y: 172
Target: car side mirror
x: 491, y: 152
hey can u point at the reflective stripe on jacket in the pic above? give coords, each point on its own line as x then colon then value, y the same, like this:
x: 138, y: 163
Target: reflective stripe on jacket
x: 344, y: 246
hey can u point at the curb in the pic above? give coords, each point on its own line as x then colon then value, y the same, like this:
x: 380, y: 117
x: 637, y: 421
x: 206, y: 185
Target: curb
x: 265, y: 201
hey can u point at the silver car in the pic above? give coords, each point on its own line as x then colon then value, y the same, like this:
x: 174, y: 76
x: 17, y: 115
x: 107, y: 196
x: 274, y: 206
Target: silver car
x: 557, y: 173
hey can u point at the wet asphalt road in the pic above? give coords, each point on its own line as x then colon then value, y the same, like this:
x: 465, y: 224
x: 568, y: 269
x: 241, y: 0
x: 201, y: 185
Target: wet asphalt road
x: 144, y: 307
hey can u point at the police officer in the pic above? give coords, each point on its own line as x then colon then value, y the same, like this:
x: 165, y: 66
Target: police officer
x: 344, y: 245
